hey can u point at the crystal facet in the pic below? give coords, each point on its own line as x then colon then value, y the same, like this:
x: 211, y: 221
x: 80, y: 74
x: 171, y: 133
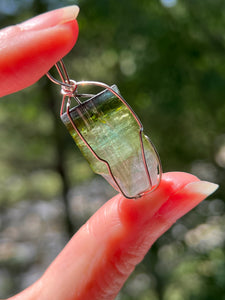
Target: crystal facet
x: 111, y: 130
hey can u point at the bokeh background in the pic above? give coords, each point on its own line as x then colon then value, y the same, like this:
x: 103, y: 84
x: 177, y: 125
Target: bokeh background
x: 168, y: 59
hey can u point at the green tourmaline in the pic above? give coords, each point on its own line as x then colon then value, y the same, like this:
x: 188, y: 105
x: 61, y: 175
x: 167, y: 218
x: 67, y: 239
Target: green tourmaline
x: 113, y: 133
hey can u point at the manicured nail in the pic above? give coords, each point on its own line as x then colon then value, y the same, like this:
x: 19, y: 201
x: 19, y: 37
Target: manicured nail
x: 184, y: 200
x: 51, y: 18
x: 70, y: 13
x: 201, y: 187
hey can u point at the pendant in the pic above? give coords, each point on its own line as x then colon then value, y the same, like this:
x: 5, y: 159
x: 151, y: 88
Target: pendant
x: 109, y: 135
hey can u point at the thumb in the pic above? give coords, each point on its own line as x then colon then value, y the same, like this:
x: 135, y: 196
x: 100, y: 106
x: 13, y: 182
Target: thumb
x: 103, y: 253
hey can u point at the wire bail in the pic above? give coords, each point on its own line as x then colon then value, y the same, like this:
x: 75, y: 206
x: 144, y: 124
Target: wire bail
x: 69, y: 91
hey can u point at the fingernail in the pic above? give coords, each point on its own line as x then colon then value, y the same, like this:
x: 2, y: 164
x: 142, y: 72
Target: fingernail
x: 51, y: 18
x: 201, y: 187
x: 70, y: 13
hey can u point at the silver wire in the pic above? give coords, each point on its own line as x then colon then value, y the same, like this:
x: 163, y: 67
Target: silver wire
x: 61, y: 68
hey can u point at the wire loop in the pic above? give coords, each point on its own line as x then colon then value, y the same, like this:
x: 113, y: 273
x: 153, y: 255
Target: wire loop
x: 69, y: 91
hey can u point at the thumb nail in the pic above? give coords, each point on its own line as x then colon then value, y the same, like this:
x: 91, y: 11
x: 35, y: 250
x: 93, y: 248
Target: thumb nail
x: 204, y: 188
x: 51, y: 18
x: 185, y: 199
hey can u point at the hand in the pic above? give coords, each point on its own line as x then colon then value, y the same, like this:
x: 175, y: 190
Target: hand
x: 104, y: 252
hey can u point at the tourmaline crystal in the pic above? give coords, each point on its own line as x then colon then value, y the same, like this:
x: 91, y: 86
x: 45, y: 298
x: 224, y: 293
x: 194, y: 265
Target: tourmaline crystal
x: 113, y: 133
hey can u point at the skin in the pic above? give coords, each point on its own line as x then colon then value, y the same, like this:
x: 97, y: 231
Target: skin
x: 103, y: 253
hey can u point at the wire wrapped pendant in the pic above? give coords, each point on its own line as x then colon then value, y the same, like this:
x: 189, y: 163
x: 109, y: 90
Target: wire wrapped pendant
x: 110, y: 136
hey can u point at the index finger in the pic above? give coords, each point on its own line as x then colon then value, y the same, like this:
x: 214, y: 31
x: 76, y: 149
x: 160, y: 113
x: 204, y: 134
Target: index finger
x: 28, y: 50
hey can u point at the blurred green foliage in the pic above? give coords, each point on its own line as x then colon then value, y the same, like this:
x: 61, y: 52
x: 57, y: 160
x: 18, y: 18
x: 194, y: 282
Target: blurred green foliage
x: 167, y: 58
